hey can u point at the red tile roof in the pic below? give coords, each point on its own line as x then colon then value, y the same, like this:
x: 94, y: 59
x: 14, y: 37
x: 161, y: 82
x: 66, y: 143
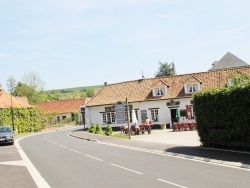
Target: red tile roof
x: 17, y: 102
x: 141, y: 90
x: 62, y: 106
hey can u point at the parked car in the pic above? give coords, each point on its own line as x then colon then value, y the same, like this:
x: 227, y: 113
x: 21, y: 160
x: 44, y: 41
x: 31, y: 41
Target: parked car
x: 6, y: 135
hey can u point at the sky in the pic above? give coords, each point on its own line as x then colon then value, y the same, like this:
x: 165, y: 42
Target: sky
x: 76, y: 43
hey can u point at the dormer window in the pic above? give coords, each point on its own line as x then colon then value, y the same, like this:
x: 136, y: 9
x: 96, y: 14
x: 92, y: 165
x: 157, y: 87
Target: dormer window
x: 159, y: 91
x: 191, y: 88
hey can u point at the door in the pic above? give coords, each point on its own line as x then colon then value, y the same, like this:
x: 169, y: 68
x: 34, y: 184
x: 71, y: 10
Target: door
x: 173, y: 116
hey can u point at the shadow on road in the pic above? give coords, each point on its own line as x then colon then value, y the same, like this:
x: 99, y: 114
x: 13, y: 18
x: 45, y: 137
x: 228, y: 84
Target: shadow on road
x: 231, y: 156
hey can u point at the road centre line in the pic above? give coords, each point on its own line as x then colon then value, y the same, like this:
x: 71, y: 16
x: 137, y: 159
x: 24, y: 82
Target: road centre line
x: 63, y: 146
x: 94, y: 157
x: 171, y: 183
x: 126, y: 169
x: 75, y: 151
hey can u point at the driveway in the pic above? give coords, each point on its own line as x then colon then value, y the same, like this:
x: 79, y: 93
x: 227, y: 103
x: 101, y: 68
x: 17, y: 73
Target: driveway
x: 167, y: 136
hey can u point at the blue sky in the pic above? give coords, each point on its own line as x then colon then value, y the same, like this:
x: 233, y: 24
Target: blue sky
x: 82, y: 43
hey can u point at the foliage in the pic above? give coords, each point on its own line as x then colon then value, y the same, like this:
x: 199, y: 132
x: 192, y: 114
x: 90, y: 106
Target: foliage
x: 119, y: 135
x: 98, y: 129
x: 92, y: 129
x: 222, y: 114
x: 90, y: 92
x: 109, y: 131
x: 25, y: 119
x: 165, y: 69
x: 75, y: 117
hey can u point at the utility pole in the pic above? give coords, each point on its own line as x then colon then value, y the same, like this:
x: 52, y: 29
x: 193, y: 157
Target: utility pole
x: 129, y: 135
x: 12, y: 113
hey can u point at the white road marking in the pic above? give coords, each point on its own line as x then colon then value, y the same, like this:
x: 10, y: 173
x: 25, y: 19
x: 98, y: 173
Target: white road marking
x: 55, y: 143
x: 63, y: 146
x: 171, y: 183
x: 14, y: 163
x: 127, y: 169
x: 75, y: 151
x: 94, y: 158
x: 40, y: 181
x: 228, y: 164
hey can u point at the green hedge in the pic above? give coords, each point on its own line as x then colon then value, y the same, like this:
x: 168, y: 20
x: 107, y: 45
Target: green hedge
x: 25, y: 119
x: 223, y: 116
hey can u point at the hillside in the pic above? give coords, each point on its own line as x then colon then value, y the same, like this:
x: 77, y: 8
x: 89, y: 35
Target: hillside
x: 67, y: 93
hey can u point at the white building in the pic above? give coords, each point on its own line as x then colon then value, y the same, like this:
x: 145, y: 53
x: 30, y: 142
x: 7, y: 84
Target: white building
x: 159, y: 98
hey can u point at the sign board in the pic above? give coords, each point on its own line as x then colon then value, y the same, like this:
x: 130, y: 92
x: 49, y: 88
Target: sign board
x: 143, y: 116
x: 120, y: 113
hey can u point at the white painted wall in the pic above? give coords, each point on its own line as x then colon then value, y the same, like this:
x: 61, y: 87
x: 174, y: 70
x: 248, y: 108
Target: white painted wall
x: 93, y: 114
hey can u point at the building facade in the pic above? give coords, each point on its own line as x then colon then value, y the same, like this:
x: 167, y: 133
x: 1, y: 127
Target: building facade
x: 157, y: 98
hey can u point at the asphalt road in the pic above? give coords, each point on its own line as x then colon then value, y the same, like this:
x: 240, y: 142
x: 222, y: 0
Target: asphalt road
x: 13, y: 172
x: 64, y: 161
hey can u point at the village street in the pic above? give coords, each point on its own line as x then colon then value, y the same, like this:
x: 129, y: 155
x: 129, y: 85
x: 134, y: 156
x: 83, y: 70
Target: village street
x: 64, y: 161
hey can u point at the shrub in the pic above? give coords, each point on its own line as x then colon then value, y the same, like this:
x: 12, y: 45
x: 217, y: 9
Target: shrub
x: 108, y: 131
x: 98, y: 129
x: 92, y: 128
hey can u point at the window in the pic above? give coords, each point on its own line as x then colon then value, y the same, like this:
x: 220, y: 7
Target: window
x: 159, y: 91
x: 191, y: 88
x: 154, y: 115
x: 192, y: 112
x: 130, y: 115
x: 108, y: 117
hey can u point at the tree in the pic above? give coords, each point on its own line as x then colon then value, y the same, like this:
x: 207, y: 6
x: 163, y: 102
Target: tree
x: 32, y: 95
x: 165, y: 69
x: 11, y: 84
x: 90, y: 92
x: 33, y: 80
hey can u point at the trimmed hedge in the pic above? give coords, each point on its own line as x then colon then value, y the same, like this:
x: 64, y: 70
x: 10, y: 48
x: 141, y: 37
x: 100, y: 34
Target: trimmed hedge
x: 25, y: 119
x: 223, y: 117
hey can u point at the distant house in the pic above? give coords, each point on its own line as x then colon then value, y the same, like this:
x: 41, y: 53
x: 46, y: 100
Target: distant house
x: 62, y: 109
x: 228, y: 61
x: 159, y: 98
x: 8, y: 101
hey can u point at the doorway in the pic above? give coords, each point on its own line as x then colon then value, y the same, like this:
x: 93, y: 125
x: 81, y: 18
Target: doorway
x: 173, y: 115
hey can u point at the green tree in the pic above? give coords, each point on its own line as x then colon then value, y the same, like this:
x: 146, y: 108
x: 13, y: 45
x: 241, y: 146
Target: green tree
x: 32, y: 95
x: 90, y: 92
x: 165, y: 69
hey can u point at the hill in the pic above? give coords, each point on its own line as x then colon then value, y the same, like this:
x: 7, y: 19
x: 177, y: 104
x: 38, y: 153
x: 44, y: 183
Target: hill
x: 67, y: 93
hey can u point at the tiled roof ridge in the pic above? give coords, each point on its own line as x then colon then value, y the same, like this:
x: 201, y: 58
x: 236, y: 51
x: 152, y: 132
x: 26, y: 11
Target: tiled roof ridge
x: 141, y: 90
x: 157, y: 78
x: 230, y: 68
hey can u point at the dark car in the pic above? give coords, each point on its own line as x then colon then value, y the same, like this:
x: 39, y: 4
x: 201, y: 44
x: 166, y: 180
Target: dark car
x: 6, y: 135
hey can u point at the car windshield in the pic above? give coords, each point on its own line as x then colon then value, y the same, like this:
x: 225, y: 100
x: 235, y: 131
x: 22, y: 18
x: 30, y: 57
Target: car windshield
x: 5, y: 130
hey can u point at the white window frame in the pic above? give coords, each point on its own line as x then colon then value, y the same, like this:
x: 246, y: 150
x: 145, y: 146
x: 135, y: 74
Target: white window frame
x: 130, y: 115
x: 192, y: 87
x: 192, y: 112
x: 108, y: 117
x: 159, y: 91
x: 155, y: 115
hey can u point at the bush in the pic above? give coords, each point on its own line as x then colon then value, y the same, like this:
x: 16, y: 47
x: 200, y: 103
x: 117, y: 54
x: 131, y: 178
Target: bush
x: 98, y: 129
x: 92, y: 128
x: 108, y: 131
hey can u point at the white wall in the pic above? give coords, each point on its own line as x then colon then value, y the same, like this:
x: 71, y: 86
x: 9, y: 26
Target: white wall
x: 93, y: 114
